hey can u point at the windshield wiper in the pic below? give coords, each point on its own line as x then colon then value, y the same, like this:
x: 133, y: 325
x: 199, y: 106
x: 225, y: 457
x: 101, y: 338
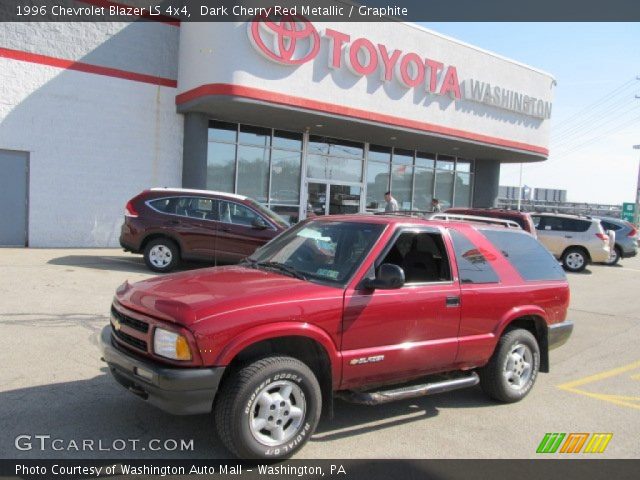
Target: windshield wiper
x: 280, y: 267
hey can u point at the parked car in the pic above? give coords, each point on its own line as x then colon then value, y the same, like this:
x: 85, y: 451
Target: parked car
x: 349, y: 306
x: 170, y: 224
x: 521, y: 218
x: 626, y: 239
x: 576, y: 241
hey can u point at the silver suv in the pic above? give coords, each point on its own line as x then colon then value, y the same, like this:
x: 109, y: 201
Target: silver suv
x: 575, y: 241
x: 625, y: 241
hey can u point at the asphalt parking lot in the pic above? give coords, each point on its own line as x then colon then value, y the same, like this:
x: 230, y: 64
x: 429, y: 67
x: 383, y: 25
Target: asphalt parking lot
x: 55, y: 302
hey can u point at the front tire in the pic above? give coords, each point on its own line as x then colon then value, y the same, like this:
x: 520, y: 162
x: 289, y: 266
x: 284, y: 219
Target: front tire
x: 268, y: 409
x: 513, y: 368
x: 161, y: 255
x: 574, y: 260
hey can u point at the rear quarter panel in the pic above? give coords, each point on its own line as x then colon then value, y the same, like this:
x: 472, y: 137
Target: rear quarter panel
x: 487, y: 309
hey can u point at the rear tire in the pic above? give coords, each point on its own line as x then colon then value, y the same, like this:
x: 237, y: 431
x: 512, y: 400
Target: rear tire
x: 574, y: 259
x: 161, y: 255
x: 269, y: 409
x: 513, y: 368
x: 615, y: 256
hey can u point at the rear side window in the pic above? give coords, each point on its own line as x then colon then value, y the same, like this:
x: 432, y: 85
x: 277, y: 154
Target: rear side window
x: 526, y: 254
x: 610, y: 226
x: 473, y: 266
x: 562, y: 224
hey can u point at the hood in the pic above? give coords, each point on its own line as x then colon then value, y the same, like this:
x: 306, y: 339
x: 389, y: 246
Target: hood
x: 188, y: 297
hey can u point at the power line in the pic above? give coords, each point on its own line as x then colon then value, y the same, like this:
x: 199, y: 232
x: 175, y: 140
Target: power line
x: 567, y: 123
x: 618, y: 127
x: 594, y: 126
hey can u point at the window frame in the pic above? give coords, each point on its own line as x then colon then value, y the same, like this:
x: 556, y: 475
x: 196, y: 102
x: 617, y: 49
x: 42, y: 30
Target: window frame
x: 391, y: 242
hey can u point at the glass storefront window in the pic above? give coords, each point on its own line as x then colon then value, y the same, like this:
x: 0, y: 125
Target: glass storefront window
x: 445, y: 162
x: 444, y: 188
x: 334, y: 168
x: 377, y: 185
x: 266, y: 164
x: 424, y: 159
x: 285, y: 177
x: 335, y: 147
x: 253, y: 172
x: 423, y: 189
x: 221, y: 166
x: 463, y: 165
x: 379, y: 154
x: 289, y: 213
x: 401, y: 185
x: 463, y: 190
x: 402, y: 157
x: 222, y: 131
x: 254, y: 136
x: 287, y: 140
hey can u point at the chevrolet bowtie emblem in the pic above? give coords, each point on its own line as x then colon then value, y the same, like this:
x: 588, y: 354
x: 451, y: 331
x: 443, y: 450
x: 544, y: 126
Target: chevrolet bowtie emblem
x: 116, y: 324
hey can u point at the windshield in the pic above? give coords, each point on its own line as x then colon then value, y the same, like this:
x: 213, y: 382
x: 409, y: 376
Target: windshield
x: 324, y: 251
x: 270, y: 214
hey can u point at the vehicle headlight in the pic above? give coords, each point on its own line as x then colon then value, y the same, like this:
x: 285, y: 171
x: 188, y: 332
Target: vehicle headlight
x: 171, y: 345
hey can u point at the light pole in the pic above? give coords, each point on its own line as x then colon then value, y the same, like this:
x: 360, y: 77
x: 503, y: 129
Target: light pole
x: 635, y: 215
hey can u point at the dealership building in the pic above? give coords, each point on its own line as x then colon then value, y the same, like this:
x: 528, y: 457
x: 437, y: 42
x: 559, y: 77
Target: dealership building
x: 302, y: 116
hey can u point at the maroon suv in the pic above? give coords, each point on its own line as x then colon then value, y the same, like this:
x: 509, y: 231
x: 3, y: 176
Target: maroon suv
x: 169, y: 224
x: 521, y: 218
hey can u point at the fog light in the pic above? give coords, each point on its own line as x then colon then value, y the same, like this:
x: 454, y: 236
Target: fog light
x: 142, y: 373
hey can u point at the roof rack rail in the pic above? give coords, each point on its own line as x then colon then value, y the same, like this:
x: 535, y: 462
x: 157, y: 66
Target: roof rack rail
x: 406, y: 213
x: 474, y: 218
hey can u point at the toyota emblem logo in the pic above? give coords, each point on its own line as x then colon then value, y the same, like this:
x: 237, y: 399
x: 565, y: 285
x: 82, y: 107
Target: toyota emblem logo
x: 291, y: 40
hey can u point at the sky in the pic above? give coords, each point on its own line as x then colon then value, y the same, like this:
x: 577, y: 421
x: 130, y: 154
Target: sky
x: 596, y: 118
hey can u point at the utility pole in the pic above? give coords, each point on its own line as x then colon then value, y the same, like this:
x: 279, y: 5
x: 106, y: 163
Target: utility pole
x: 520, y: 188
x: 635, y: 216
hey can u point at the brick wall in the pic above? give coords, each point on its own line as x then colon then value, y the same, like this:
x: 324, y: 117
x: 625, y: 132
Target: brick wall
x: 94, y: 140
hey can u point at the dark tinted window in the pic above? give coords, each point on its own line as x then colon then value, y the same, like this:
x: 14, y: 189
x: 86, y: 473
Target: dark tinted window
x: 562, y: 224
x: 473, y: 266
x: 610, y: 226
x: 526, y: 254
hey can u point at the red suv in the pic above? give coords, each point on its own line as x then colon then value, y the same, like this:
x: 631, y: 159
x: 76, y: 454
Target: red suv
x: 521, y: 218
x: 169, y: 224
x: 354, y: 307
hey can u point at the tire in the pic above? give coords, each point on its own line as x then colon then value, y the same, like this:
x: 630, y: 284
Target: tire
x: 506, y: 378
x: 574, y: 259
x: 258, y: 388
x: 161, y: 255
x: 615, y: 256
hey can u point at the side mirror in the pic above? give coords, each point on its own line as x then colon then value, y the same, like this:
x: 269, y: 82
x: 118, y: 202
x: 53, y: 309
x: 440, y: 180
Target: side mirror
x: 259, y: 223
x: 389, y: 277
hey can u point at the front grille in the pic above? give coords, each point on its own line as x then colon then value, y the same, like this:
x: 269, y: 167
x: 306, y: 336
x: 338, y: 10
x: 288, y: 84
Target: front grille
x: 129, y: 340
x: 138, y: 325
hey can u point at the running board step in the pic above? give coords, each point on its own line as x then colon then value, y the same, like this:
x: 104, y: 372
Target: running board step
x: 412, y: 391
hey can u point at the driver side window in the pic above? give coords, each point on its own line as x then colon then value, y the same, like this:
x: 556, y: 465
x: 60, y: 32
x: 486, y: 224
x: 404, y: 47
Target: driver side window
x: 422, y: 256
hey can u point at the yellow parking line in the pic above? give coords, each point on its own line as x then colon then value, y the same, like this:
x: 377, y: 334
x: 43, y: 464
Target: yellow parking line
x: 636, y: 377
x: 624, y: 401
x: 600, y: 376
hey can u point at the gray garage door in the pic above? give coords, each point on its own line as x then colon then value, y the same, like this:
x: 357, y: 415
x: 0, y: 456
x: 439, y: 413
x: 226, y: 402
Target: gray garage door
x: 14, y: 172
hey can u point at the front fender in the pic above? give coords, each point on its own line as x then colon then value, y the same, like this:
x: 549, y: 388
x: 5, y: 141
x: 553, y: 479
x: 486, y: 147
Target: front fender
x: 283, y: 329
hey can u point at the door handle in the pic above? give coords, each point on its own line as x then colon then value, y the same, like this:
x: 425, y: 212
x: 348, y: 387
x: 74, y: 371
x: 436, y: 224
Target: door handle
x: 568, y: 236
x: 453, y: 302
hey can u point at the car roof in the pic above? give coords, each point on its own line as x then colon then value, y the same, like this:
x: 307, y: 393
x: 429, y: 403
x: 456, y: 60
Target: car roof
x: 565, y: 215
x: 198, y: 192
x: 412, y: 221
x: 497, y: 211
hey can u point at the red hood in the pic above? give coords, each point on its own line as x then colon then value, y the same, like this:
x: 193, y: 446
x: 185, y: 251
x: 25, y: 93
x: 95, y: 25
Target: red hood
x: 188, y: 297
